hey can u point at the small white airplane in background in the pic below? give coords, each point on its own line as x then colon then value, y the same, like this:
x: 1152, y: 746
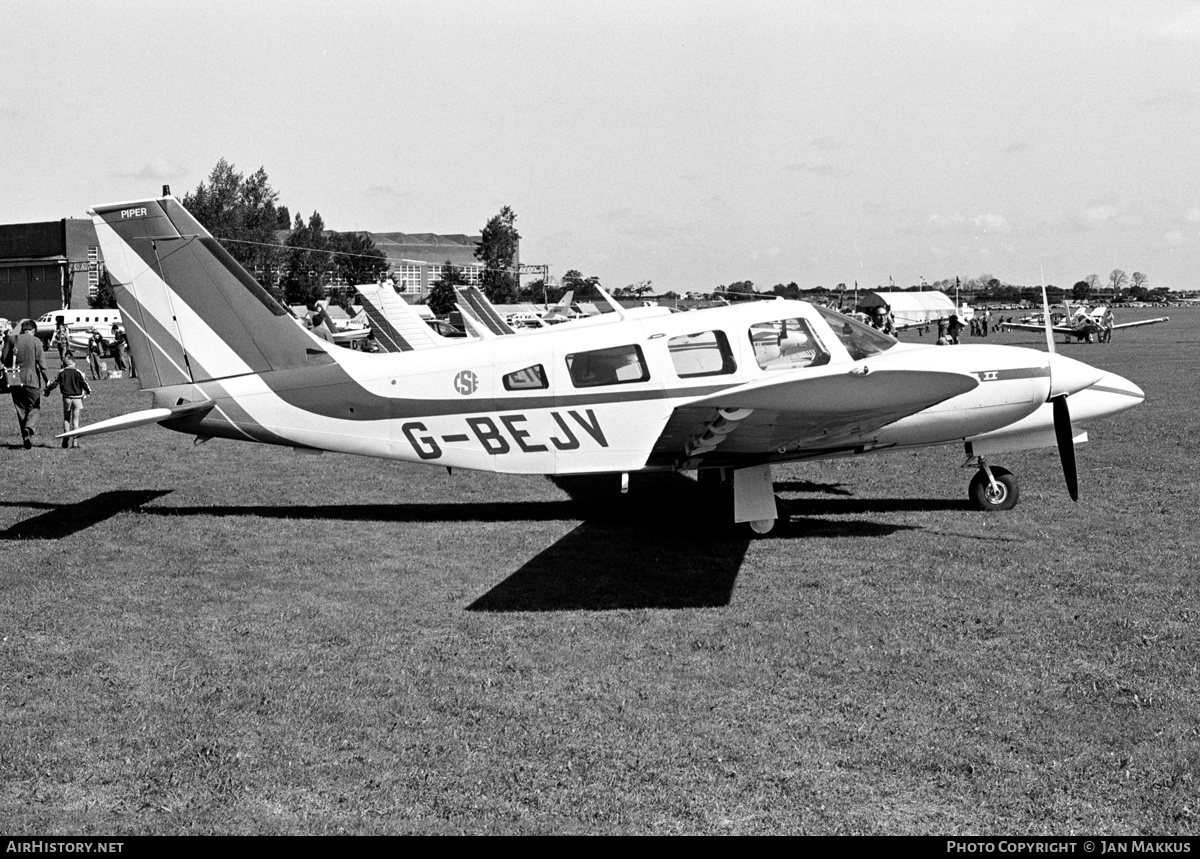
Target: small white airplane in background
x: 728, y: 391
x: 1085, y: 324
x: 562, y: 311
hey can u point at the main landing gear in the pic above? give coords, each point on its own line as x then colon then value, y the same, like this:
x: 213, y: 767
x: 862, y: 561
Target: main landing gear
x: 993, y: 488
x: 754, y: 502
x: 754, y: 498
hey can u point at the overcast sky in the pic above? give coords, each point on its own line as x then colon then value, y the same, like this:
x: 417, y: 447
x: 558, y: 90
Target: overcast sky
x: 686, y: 143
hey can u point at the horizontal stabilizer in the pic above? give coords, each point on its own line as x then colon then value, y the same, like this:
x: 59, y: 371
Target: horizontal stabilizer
x: 139, y: 419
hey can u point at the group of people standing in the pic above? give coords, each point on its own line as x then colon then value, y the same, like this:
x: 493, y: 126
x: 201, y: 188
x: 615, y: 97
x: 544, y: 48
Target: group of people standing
x: 27, y: 379
x: 95, y: 348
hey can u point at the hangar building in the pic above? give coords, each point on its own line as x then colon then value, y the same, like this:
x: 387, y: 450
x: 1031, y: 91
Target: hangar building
x: 47, y: 265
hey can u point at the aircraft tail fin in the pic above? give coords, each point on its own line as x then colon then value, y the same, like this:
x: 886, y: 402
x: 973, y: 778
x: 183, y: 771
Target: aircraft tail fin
x: 191, y: 312
x: 396, y: 325
x: 564, y: 303
x: 612, y: 302
x: 484, y: 310
x: 473, y: 325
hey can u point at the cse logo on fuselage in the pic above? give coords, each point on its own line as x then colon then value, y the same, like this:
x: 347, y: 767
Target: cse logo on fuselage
x: 466, y: 382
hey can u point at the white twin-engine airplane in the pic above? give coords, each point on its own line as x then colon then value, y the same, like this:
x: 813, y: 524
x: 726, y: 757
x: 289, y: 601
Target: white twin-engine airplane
x: 728, y: 391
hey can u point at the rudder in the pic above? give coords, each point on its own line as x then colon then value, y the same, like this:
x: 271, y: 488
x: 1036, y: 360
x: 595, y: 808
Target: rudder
x: 191, y: 312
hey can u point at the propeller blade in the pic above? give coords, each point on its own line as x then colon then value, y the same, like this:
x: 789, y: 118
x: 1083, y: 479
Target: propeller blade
x: 1066, y: 444
x: 1046, y: 316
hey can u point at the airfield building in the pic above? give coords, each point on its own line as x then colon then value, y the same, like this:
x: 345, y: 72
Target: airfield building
x: 413, y: 261
x: 46, y: 266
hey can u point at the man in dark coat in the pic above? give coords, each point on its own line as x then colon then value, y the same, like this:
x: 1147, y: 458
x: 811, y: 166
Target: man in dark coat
x: 26, y: 350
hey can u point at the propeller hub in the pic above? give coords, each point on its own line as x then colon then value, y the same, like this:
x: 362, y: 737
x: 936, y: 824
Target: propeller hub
x: 1068, y: 376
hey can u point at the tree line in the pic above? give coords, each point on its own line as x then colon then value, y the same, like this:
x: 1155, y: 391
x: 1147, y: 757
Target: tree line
x: 244, y: 214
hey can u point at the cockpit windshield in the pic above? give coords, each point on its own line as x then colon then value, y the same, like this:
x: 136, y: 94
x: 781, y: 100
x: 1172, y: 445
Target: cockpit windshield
x: 860, y: 339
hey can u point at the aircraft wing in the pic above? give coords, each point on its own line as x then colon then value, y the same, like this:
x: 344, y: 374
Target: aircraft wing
x: 820, y: 409
x: 1142, y: 322
x: 1033, y: 326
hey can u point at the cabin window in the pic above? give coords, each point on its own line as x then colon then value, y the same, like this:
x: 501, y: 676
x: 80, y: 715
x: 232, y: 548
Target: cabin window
x: 703, y: 354
x: 530, y: 379
x: 618, y: 365
x: 859, y: 339
x: 786, y: 344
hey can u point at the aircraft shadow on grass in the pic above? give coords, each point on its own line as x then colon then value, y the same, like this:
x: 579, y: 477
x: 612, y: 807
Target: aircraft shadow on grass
x: 63, y: 520
x: 660, y: 546
x: 663, y: 545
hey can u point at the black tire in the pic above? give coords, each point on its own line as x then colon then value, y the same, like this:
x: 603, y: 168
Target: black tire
x: 989, y: 500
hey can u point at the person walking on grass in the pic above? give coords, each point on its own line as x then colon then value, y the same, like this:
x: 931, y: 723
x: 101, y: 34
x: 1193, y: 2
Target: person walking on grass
x: 74, y: 388
x: 24, y: 353
x: 62, y: 340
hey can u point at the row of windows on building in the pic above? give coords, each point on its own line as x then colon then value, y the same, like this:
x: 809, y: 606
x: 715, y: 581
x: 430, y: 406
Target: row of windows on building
x: 409, y: 279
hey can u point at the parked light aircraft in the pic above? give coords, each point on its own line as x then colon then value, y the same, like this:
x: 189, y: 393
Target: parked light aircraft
x: 730, y: 390
x: 1085, y: 324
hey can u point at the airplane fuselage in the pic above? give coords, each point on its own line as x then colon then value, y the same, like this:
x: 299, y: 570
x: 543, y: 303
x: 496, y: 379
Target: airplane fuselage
x: 525, y: 405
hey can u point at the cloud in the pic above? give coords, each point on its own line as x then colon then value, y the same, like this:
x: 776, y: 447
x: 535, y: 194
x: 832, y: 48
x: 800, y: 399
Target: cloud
x: 1100, y: 213
x: 155, y: 168
x: 385, y: 191
x: 991, y: 223
x: 947, y: 222
x: 829, y: 144
x: 1184, y: 27
x: 816, y: 169
x: 622, y: 214
x: 769, y: 252
x: 1172, y: 99
x: 1193, y: 215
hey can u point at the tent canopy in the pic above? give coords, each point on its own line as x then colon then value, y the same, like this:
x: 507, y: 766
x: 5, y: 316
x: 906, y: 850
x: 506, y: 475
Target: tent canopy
x: 908, y: 308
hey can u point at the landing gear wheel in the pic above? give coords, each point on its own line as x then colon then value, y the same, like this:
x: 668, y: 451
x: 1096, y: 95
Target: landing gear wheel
x: 761, y: 526
x: 1002, y: 496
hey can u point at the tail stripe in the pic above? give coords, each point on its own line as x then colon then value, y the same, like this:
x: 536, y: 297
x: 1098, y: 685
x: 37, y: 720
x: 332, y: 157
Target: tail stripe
x: 191, y: 290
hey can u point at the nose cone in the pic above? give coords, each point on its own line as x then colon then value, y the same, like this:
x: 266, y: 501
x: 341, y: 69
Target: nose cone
x: 1110, y: 396
x: 1119, y: 386
x: 1068, y: 376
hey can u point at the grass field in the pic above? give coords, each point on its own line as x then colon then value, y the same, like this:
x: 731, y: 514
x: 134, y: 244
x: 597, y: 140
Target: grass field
x: 233, y: 638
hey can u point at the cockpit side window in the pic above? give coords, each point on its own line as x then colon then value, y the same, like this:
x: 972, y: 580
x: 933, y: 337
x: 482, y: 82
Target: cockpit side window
x: 786, y: 344
x: 529, y: 379
x: 617, y: 365
x: 704, y: 354
x: 860, y: 340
